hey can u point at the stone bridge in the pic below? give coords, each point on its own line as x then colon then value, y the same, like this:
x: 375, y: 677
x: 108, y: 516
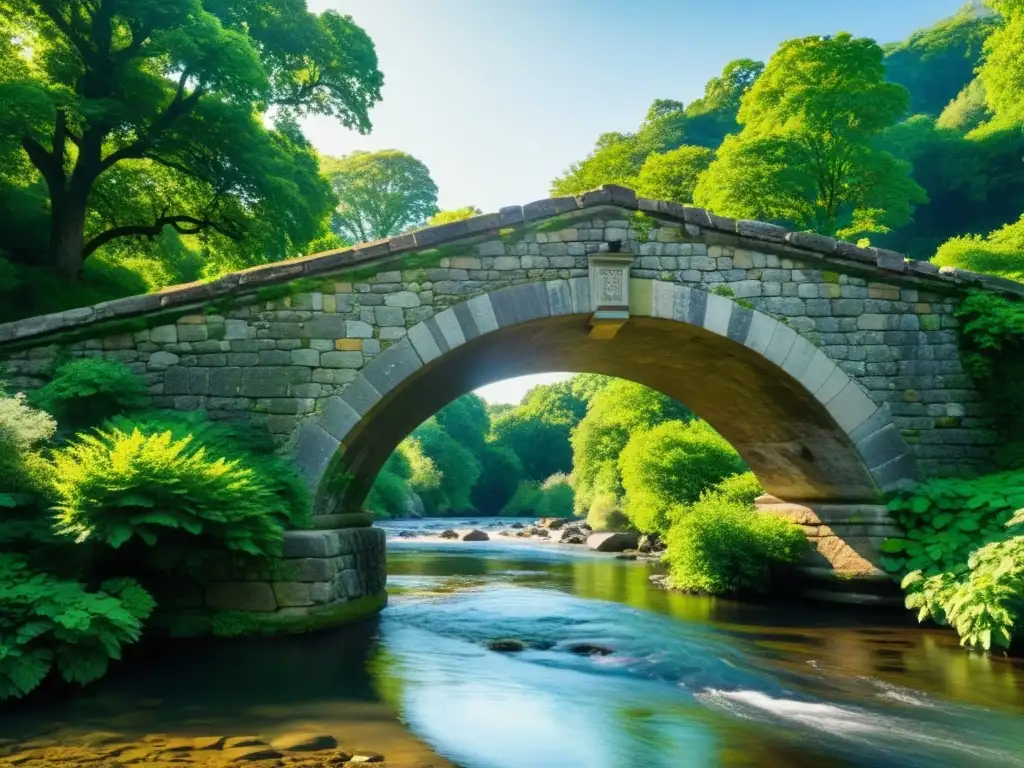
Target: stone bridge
x: 833, y: 369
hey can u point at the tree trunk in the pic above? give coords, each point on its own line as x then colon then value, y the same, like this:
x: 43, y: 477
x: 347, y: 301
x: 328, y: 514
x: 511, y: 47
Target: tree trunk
x: 67, y: 236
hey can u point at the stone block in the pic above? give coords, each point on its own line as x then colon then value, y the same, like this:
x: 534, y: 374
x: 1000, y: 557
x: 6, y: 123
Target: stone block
x: 403, y: 299
x: 338, y: 359
x: 490, y: 248
x: 347, y: 345
x: 306, y: 357
x: 272, y: 381
x: 292, y: 594
x: 164, y: 334
x: 225, y: 382
x: 851, y: 407
x: 389, y: 316
x: 159, y: 361
x: 306, y: 544
x: 256, y: 596
x: 391, y: 334
x: 311, y: 569
x: 390, y: 368
x: 361, y: 395
x: 242, y: 358
x: 389, y: 277
x: 199, y: 381
x: 423, y: 342
x: 717, y: 314
x: 357, y: 329
x: 781, y: 344
x: 275, y: 357
x: 448, y: 326
x: 176, y: 381
x: 324, y: 327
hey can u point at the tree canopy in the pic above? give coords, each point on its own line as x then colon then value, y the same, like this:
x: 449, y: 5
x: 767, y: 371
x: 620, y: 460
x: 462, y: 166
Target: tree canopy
x: 380, y: 194
x: 131, y: 118
x: 805, y: 155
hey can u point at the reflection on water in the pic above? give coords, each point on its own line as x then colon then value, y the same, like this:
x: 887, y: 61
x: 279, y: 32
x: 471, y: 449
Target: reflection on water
x: 687, y: 681
x: 719, y: 682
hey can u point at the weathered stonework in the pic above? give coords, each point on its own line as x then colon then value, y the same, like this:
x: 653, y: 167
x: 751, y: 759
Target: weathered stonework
x: 318, y: 571
x: 859, y: 343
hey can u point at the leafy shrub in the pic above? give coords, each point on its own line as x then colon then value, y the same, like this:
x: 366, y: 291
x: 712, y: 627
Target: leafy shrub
x: 457, y: 466
x: 22, y: 430
x: 742, y: 488
x: 718, y: 546
x: 945, y: 520
x: 524, y: 501
x: 669, y: 465
x: 47, y: 623
x: 88, y: 390
x: 983, y: 601
x: 248, y: 443
x: 604, y: 515
x: 113, y: 486
x: 556, y: 497
x: 1001, y: 253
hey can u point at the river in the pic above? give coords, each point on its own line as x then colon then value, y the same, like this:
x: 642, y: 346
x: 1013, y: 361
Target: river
x: 690, y: 681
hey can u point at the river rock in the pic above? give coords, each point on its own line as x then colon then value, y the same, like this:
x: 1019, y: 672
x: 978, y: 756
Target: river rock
x: 506, y: 645
x: 543, y: 533
x: 613, y: 542
x: 208, y: 742
x: 516, y: 525
x: 475, y: 535
x: 575, y: 538
x: 244, y: 741
x: 626, y: 556
x: 554, y: 523
x: 304, y: 742
x: 650, y: 542
x: 365, y: 756
x: 589, y: 649
x: 449, y: 534
x: 250, y: 754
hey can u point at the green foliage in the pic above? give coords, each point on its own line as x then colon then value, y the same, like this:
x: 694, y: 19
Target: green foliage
x: 605, y: 515
x: 742, y: 488
x: 248, y: 443
x: 720, y: 547
x: 380, y: 194
x: 389, y: 496
x: 672, y: 464
x: 157, y: 111
x: 967, y: 111
x: 500, y: 473
x: 22, y: 432
x: 934, y: 64
x: 945, y: 520
x: 1002, y: 72
x: 88, y: 390
x: 556, y: 497
x: 114, y: 486
x: 49, y: 623
x: 1001, y: 253
x: 465, y: 420
x: 524, y: 501
x: 983, y: 602
x: 546, y: 416
x: 673, y: 175
x: 615, y: 413
x: 805, y: 154
x: 457, y: 466
x: 455, y: 214
x: 992, y: 349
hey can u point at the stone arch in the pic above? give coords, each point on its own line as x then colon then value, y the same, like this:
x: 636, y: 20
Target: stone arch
x: 810, y: 433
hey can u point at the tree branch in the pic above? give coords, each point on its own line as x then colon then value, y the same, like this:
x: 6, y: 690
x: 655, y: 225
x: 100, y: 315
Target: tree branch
x: 43, y: 161
x: 183, y: 225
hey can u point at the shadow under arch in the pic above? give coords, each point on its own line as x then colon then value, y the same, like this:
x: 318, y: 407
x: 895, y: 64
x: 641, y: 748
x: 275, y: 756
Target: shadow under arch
x: 807, y: 430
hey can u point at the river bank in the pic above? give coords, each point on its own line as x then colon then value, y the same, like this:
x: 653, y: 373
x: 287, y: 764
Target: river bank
x: 723, y: 683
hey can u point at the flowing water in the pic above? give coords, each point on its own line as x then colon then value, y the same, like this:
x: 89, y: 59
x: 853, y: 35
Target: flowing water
x: 680, y: 680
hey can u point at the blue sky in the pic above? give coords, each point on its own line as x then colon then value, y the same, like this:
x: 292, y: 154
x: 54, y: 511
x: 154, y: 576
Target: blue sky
x: 498, y: 98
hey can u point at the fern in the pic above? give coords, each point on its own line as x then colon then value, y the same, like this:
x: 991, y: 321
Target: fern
x: 88, y: 390
x: 50, y: 623
x: 115, y: 487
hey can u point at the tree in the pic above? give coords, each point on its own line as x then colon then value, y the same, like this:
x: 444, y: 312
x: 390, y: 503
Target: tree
x: 500, y: 473
x: 805, y: 154
x: 135, y: 117
x: 672, y: 464
x: 1002, y: 72
x: 465, y: 420
x: 457, y: 466
x: 713, y: 116
x: 380, y: 194
x: 615, y: 160
x: 455, y: 214
x: 673, y: 175
x: 936, y: 63
x: 968, y: 110
x: 1000, y: 253
x: 616, y: 412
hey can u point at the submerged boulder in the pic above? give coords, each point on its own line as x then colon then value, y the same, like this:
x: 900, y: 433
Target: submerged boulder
x: 449, y: 534
x: 506, y: 645
x: 475, y: 535
x: 613, y: 542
